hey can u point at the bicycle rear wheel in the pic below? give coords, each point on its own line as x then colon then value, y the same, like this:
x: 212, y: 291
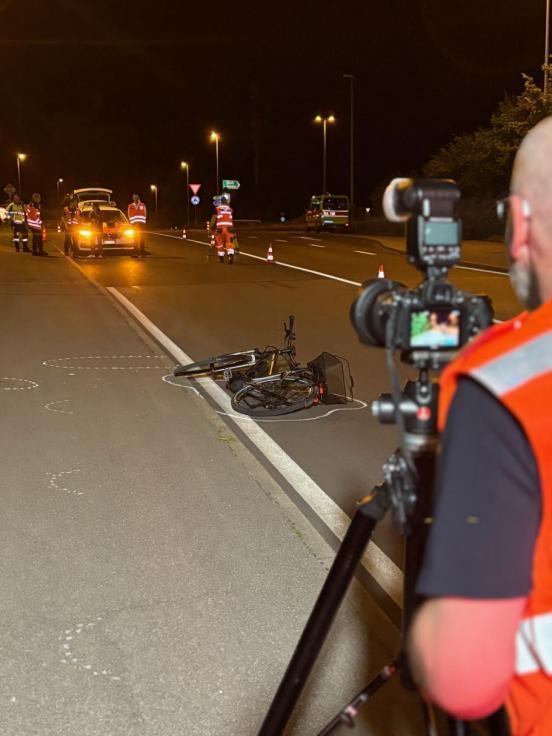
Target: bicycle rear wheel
x: 217, y: 364
x: 283, y: 395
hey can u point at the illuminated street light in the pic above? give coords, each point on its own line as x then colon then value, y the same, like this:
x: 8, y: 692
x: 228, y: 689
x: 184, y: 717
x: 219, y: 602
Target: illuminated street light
x: 185, y: 166
x: 153, y: 188
x: 324, y: 121
x: 20, y: 158
x: 59, y: 182
x: 215, y: 138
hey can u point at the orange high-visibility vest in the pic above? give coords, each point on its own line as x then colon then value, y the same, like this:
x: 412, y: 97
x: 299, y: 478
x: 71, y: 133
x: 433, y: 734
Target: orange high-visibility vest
x: 137, y: 213
x: 513, y: 361
x: 34, y: 218
x: 71, y: 217
x: 225, y: 216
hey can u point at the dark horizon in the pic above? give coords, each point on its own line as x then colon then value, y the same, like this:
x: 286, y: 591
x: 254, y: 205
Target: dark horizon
x: 117, y: 96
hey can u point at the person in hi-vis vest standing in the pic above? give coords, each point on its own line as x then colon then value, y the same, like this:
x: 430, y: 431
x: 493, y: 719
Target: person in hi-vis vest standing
x: 483, y: 637
x: 138, y: 216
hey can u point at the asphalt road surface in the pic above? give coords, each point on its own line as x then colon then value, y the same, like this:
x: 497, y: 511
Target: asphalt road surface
x: 207, y: 308
x: 130, y: 606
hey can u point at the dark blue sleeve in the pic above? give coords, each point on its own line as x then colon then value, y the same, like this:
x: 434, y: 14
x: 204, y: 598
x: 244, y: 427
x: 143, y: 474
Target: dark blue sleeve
x: 488, y: 503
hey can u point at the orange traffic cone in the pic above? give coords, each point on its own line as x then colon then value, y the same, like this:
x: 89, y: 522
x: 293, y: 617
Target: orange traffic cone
x: 381, y: 272
x: 184, y: 236
x: 270, y: 255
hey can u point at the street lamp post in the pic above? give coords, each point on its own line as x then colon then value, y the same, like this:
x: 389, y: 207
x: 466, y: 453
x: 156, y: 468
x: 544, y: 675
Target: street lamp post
x: 351, y: 78
x: 324, y: 121
x: 59, y: 182
x: 186, y: 166
x: 20, y: 158
x: 215, y: 137
x: 153, y: 188
x: 546, y: 46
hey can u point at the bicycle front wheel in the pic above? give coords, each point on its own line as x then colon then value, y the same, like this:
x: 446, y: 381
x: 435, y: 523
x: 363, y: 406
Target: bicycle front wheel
x: 283, y: 395
x: 228, y: 362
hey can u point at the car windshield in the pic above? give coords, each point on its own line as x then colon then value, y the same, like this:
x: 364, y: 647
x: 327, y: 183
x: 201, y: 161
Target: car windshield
x: 110, y: 217
x: 336, y: 203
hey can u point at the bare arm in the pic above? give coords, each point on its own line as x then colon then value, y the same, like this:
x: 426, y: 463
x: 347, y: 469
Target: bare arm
x: 462, y: 652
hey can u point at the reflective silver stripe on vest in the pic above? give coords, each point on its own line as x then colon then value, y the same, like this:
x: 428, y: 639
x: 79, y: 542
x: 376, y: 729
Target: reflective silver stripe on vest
x: 519, y: 366
x: 534, y: 645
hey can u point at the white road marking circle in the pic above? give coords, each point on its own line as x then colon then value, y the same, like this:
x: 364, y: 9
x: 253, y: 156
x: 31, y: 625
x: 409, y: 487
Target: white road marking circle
x: 55, y: 477
x: 108, y: 362
x: 54, y: 406
x: 68, y: 640
x: 17, y: 384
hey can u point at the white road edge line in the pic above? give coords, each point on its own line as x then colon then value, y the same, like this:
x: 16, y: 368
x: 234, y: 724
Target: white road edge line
x: 483, y: 270
x: 278, y: 263
x: 321, y: 273
x: 375, y: 561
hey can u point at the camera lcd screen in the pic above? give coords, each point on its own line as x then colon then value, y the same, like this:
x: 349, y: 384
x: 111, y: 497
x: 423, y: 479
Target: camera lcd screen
x: 435, y: 329
x: 441, y: 233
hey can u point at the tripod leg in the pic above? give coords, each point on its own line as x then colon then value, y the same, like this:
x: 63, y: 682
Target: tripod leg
x: 321, y: 618
x: 429, y: 718
x: 347, y: 716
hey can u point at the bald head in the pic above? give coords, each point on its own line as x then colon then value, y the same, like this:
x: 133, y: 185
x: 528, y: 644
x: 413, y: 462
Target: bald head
x: 532, y: 174
x: 529, y: 240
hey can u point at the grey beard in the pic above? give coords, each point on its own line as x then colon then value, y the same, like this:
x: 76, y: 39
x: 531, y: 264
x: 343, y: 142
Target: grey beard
x: 525, y: 284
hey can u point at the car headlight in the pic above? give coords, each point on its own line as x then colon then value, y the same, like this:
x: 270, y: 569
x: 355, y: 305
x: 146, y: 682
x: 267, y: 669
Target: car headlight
x: 129, y: 233
x: 85, y: 233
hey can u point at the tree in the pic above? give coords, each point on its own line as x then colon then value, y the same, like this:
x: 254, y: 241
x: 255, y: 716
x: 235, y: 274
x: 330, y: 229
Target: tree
x: 481, y: 161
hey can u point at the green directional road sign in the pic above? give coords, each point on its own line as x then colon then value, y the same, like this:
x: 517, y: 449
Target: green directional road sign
x: 230, y: 184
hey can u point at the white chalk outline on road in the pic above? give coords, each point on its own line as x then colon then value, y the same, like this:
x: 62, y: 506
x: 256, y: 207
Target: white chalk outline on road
x: 180, y: 385
x: 384, y: 571
x: 243, y: 417
x: 365, y: 253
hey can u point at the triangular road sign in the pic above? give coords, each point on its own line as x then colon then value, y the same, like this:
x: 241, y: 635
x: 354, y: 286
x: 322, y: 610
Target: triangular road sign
x: 195, y: 188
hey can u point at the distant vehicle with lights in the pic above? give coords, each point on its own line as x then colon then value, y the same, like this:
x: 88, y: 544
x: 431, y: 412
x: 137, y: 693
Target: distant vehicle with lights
x: 116, y: 234
x: 328, y: 212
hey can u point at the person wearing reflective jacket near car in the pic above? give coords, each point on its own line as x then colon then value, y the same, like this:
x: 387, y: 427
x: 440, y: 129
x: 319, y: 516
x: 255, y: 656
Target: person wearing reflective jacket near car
x: 484, y: 635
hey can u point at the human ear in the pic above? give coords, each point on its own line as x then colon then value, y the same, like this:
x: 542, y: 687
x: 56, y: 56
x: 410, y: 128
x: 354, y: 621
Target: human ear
x: 518, y: 226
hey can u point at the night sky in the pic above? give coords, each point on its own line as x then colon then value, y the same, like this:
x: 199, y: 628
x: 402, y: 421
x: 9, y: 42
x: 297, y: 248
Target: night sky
x: 117, y: 93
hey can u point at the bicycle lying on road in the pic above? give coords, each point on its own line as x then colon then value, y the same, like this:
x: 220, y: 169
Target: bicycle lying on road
x: 272, y: 382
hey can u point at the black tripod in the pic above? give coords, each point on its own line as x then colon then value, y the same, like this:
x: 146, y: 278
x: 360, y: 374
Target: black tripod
x: 406, y: 492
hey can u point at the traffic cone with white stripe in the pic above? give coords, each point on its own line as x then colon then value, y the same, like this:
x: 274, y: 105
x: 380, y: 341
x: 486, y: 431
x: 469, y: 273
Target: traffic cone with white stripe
x: 381, y: 272
x: 184, y: 236
x: 270, y: 255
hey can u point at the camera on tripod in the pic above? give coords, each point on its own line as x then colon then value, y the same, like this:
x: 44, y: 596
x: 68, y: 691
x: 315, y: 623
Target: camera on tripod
x: 429, y: 323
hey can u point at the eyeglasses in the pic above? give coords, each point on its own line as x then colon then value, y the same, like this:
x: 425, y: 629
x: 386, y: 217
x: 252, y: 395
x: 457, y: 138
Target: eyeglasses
x: 503, y: 208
